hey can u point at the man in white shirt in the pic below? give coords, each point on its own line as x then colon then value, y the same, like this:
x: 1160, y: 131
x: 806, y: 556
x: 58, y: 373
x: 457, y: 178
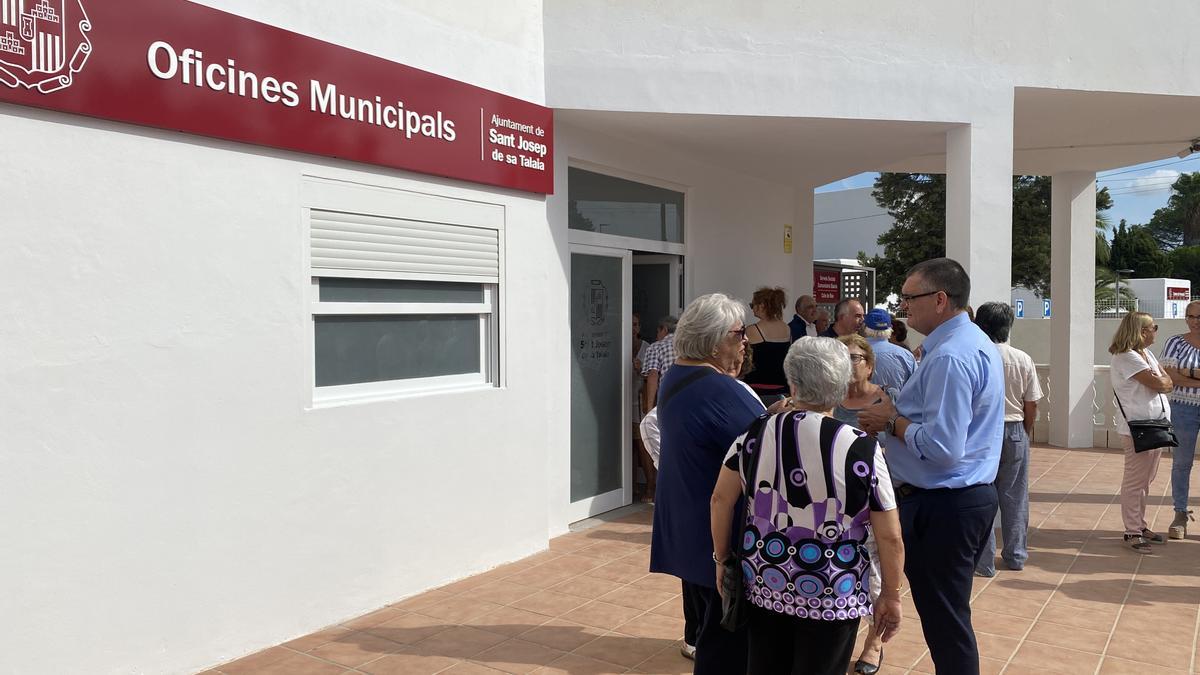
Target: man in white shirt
x: 1021, y: 394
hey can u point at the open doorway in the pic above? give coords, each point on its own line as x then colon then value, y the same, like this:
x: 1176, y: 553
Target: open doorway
x: 657, y: 282
x: 656, y: 291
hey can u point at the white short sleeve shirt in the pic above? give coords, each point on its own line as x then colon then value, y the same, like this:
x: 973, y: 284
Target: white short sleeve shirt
x: 1139, y: 401
x: 1020, y: 382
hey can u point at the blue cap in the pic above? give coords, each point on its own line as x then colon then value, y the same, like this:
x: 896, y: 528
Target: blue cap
x: 878, y: 319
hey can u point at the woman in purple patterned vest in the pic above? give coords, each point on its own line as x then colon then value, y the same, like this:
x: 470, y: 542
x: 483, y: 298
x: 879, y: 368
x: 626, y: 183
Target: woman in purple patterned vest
x: 818, y: 484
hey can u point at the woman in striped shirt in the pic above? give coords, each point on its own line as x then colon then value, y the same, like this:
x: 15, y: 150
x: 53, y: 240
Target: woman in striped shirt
x: 1181, y: 361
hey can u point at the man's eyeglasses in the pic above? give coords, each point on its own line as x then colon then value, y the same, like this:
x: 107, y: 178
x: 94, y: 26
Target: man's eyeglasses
x: 740, y: 333
x: 857, y: 358
x: 1192, y: 317
x: 909, y: 298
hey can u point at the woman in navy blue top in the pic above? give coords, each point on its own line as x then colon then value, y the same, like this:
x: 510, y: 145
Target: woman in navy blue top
x: 700, y: 410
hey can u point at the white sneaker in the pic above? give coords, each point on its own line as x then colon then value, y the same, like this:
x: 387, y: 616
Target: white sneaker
x: 688, y: 651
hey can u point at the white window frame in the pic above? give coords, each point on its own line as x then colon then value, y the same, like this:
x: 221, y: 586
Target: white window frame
x: 338, y: 196
x: 601, y: 239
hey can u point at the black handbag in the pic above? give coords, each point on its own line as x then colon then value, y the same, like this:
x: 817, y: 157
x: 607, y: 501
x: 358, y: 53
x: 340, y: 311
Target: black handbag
x: 1149, y: 434
x: 733, y: 584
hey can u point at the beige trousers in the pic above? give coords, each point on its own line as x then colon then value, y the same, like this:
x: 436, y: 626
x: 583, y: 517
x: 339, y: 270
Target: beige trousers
x: 1140, y: 469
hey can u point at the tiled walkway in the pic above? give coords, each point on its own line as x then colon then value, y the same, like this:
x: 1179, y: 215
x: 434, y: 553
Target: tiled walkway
x: 1084, y: 603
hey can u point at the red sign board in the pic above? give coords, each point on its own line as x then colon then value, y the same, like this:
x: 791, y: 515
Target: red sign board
x: 1179, y: 293
x: 176, y: 65
x: 827, y: 286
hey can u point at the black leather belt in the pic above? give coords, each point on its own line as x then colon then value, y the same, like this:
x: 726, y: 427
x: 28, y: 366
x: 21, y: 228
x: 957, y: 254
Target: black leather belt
x: 907, y: 490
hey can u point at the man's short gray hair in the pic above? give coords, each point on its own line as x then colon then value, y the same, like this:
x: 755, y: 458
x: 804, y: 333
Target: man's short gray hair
x: 705, y: 322
x: 818, y: 369
x: 883, y: 333
x: 668, y: 322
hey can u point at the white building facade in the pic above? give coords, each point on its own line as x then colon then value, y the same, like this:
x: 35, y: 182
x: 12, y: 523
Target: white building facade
x: 178, y: 491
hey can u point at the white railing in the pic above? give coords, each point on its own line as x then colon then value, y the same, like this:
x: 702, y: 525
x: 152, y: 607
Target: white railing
x: 1104, y: 409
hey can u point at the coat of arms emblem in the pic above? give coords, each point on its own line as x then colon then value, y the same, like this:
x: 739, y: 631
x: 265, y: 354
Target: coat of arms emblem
x: 43, y: 43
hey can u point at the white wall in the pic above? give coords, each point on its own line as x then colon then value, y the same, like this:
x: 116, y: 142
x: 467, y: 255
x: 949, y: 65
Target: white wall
x: 170, y: 502
x: 1033, y: 337
x: 950, y: 61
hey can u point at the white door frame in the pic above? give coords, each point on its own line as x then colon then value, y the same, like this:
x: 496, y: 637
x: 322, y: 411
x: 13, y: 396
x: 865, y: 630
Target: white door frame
x: 586, y: 508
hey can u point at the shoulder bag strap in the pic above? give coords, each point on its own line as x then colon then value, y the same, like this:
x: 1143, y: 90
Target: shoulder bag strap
x: 680, y: 385
x: 1118, y: 399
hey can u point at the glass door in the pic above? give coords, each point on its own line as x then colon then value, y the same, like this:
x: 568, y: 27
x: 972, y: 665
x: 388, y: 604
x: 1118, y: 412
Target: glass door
x: 601, y: 379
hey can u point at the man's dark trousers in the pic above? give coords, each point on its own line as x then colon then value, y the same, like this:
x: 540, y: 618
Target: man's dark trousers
x: 945, y: 532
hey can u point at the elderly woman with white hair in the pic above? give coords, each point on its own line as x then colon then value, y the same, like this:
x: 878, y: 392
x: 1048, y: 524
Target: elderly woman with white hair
x: 701, y: 409
x: 816, y: 484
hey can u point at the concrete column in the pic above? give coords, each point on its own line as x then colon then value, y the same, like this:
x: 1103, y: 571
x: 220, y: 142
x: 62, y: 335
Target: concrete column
x: 979, y: 203
x: 802, y: 243
x: 1073, y: 314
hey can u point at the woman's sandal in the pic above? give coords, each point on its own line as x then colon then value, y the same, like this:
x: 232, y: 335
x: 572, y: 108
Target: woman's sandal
x: 865, y: 668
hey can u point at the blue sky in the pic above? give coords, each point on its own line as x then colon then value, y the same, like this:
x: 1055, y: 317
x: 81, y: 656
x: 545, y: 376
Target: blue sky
x: 1136, y: 190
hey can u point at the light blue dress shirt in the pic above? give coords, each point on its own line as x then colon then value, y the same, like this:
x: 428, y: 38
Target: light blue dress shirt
x: 893, y: 364
x: 955, y: 402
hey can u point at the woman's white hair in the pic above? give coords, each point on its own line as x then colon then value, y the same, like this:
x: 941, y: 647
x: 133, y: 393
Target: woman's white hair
x: 705, y: 322
x: 818, y: 368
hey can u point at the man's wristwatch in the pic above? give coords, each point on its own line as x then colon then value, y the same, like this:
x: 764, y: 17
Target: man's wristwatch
x: 890, y: 428
x: 719, y: 561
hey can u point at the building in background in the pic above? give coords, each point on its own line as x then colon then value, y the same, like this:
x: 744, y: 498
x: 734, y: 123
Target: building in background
x: 848, y: 222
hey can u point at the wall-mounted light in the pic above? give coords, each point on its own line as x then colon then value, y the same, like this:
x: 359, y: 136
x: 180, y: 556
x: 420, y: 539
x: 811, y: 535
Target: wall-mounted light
x: 1189, y: 150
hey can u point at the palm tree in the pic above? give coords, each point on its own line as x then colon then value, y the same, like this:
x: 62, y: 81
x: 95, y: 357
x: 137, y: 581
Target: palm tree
x: 1106, y: 291
x: 1103, y: 247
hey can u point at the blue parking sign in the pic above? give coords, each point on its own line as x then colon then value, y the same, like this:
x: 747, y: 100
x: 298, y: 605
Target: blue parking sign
x: 1046, y: 308
x: 1020, y: 309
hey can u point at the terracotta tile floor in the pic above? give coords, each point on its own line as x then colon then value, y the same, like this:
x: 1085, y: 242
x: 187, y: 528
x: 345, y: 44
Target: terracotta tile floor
x: 1084, y: 603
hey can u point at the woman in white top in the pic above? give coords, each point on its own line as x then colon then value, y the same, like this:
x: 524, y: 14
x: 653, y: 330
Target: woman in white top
x: 1139, y: 384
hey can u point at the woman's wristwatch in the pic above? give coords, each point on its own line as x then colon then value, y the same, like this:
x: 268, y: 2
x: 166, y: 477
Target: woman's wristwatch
x: 719, y: 561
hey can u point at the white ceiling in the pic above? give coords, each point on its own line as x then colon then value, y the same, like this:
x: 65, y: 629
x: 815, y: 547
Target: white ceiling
x: 1054, y: 131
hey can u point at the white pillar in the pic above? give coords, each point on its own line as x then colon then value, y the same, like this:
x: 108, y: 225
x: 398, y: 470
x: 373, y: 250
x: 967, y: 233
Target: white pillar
x: 979, y: 202
x: 802, y: 242
x: 1073, y: 314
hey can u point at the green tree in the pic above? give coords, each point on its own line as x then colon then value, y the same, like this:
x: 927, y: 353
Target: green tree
x: 917, y: 202
x: 1185, y: 264
x: 1031, y: 233
x: 1178, y: 223
x: 1135, y: 248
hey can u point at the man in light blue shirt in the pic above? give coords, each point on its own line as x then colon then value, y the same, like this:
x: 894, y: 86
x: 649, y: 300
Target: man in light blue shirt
x: 944, y: 434
x: 893, y: 364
